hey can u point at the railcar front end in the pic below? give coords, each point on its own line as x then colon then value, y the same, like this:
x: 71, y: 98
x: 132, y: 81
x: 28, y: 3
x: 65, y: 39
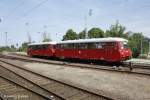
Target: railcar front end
x: 41, y: 49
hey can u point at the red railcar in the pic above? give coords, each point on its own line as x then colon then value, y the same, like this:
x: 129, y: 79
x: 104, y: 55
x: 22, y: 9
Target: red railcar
x: 107, y: 49
x: 42, y: 49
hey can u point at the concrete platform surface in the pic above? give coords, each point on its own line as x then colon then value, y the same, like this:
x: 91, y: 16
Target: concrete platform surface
x: 140, y: 61
x: 119, y: 86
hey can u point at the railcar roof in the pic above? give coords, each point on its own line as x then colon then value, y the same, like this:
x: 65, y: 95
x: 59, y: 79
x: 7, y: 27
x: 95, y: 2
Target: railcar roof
x: 43, y: 43
x: 109, y: 39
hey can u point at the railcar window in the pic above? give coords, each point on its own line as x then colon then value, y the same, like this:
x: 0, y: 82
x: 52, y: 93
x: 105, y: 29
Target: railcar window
x: 76, y: 46
x: 40, y: 47
x: 123, y: 45
x: 62, y: 46
x: 58, y: 46
x: 30, y: 47
x: 37, y: 47
x: 98, y: 45
x: 66, y: 46
x: 104, y: 44
x: 91, y: 45
x: 82, y: 46
x: 112, y: 44
x: 70, y: 46
x: 54, y: 46
x: 48, y: 46
x: 34, y: 47
x: 43, y: 47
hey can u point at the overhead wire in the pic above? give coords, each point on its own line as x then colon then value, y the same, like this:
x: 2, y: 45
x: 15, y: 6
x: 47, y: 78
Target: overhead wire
x: 26, y: 13
x: 33, y: 8
x: 14, y: 10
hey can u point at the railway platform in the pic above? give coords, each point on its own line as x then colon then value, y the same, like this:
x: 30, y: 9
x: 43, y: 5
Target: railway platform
x: 140, y: 61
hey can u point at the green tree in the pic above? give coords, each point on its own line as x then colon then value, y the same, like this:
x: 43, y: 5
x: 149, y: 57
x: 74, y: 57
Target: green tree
x: 135, y: 41
x: 95, y: 33
x: 81, y: 35
x: 5, y: 48
x: 24, y: 47
x: 70, y: 35
x: 13, y: 48
x: 46, y: 40
x: 116, y: 30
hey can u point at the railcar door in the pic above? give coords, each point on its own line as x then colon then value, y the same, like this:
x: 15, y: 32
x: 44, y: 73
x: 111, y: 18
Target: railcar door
x: 108, y: 51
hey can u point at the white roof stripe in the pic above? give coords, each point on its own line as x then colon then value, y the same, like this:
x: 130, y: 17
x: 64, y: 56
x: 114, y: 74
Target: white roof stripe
x: 110, y: 39
x: 43, y: 43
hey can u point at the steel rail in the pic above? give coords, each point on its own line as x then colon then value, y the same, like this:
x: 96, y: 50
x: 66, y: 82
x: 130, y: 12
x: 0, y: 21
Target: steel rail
x: 79, y: 88
x: 15, y: 83
x: 42, y: 91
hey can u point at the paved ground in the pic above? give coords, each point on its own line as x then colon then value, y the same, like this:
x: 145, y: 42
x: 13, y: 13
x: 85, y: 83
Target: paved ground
x: 116, y: 85
x: 135, y: 60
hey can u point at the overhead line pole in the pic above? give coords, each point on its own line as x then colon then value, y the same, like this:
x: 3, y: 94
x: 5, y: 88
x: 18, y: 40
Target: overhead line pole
x: 5, y: 38
x: 141, y: 45
x: 149, y: 47
x: 86, y: 34
x: 86, y: 18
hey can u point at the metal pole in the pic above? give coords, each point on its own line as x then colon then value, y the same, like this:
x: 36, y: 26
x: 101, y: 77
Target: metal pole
x: 86, y: 17
x: 6, y: 39
x: 28, y: 33
x: 149, y: 47
x: 44, y: 33
x: 141, y: 45
x: 86, y: 34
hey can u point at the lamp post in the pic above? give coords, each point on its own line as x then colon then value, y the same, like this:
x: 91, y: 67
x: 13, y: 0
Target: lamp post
x: 86, y: 18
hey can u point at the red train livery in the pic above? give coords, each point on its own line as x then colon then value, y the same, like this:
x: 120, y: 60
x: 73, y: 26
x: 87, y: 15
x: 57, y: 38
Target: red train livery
x: 106, y: 49
x: 41, y: 49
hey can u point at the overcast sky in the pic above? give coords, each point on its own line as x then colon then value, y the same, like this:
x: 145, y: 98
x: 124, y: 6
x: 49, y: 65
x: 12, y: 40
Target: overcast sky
x: 57, y: 16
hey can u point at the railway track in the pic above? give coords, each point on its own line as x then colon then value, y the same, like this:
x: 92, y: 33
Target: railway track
x: 52, y: 89
x: 145, y: 70
x: 28, y: 84
x: 10, y: 90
